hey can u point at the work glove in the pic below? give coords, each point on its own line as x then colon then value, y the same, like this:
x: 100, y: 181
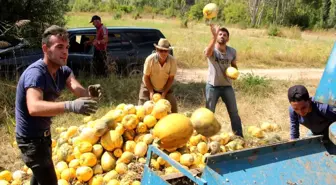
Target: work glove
x: 84, y: 106
x: 95, y: 90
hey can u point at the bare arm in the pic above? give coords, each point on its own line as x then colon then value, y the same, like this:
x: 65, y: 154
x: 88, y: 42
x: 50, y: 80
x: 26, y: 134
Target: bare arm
x: 38, y: 107
x: 168, y: 84
x: 148, y: 83
x: 75, y: 87
x: 209, y: 50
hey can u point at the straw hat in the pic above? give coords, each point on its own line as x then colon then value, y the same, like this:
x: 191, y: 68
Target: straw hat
x: 163, y: 44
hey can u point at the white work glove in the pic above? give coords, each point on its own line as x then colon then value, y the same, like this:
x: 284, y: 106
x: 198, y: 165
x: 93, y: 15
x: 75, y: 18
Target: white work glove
x: 84, y: 106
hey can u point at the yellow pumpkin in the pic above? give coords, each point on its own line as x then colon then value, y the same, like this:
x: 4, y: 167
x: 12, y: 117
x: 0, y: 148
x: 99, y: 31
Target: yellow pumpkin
x: 232, y: 73
x: 74, y: 163
x: 136, y: 183
x: 117, y: 152
x: 129, y: 146
x: 202, y: 147
x: 60, y: 166
x: 16, y: 182
x: 84, y: 147
x: 160, y: 111
x: 140, y: 149
x: 121, y: 106
x: 148, y: 139
x: 88, y: 159
x: 89, y: 135
x: 175, y: 156
x: 97, y: 150
x: 166, y: 103
x: 111, y: 140
x: 98, y: 169
x: 140, y: 112
x: 113, y: 182
x: 187, y: 159
x: 109, y: 176
x: 84, y: 173
x: 148, y: 105
x: 210, y: 11
x: 156, y: 97
x: 130, y: 121
x: 72, y: 130
x: 120, y: 129
x: 126, y: 157
x: 141, y: 128
x: 150, y: 121
x: 108, y: 161
x: 154, y: 164
x: 121, y: 168
x: 97, y: 180
x: 18, y: 175
x: 173, y: 131
x: 130, y: 109
x: 6, y: 175
x: 204, y: 122
x: 62, y: 182
x: 101, y: 127
x: 68, y: 174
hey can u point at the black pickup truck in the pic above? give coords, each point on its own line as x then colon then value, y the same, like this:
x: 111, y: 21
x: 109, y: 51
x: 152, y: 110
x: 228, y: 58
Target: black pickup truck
x: 127, y: 49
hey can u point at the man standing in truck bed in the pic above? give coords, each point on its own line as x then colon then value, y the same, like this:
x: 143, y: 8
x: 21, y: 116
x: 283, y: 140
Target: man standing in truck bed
x: 37, y: 90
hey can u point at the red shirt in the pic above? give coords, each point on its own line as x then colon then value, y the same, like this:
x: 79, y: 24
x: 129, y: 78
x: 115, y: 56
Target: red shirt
x: 101, y: 32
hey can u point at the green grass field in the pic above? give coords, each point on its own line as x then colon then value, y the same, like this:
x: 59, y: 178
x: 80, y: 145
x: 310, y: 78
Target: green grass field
x: 255, y: 48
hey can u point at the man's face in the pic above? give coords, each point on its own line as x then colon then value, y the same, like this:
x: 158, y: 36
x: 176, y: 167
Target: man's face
x: 302, y: 107
x: 222, y: 37
x: 96, y: 23
x: 57, y: 53
x: 163, y: 54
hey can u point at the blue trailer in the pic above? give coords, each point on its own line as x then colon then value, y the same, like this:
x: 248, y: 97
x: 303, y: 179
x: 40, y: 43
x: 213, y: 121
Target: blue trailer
x: 299, y: 162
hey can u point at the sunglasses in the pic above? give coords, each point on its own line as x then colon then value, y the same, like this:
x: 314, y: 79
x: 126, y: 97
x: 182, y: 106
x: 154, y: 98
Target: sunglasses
x: 162, y: 51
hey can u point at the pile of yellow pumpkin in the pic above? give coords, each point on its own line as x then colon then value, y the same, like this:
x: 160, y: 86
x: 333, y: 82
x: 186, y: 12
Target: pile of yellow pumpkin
x: 112, y: 150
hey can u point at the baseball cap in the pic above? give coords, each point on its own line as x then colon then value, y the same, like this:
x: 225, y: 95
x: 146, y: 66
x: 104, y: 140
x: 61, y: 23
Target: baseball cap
x: 298, y: 93
x: 95, y: 17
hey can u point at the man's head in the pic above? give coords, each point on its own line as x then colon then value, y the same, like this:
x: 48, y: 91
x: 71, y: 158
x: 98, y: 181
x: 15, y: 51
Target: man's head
x: 162, y: 48
x: 223, y: 36
x: 96, y: 21
x: 298, y: 97
x: 55, y: 45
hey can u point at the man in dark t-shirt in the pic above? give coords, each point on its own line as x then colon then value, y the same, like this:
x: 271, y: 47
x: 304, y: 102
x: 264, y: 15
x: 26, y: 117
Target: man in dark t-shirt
x: 38, y: 88
x: 317, y: 117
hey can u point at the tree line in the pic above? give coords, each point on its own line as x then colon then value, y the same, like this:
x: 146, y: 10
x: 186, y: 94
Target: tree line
x: 306, y: 14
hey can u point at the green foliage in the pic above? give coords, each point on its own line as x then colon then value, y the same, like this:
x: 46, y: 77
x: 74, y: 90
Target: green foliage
x: 117, y: 15
x: 236, y: 13
x: 41, y: 14
x: 273, y: 30
x: 195, y: 12
x: 254, y: 85
x: 84, y: 6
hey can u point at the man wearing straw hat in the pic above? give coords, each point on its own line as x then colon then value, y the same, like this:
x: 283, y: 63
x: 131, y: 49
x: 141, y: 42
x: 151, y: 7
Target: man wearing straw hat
x: 159, y: 73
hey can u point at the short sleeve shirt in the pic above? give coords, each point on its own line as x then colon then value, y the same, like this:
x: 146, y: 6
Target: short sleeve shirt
x: 217, y: 65
x: 159, y: 74
x: 101, y: 32
x: 37, y: 76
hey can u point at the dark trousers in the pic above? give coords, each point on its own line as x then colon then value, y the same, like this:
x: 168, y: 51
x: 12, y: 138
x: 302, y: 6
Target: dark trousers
x: 99, y: 65
x: 227, y: 94
x: 37, y: 155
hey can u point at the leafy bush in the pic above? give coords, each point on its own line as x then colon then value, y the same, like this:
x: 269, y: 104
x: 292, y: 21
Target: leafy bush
x: 195, y: 12
x: 236, y: 13
x: 273, y: 30
x: 254, y: 85
x: 117, y: 15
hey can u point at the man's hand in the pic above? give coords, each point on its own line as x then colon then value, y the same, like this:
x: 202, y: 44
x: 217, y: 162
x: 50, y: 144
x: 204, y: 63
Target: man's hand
x: 214, y: 30
x: 95, y: 91
x: 82, y: 105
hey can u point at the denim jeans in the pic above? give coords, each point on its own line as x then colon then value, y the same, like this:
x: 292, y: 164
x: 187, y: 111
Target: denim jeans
x: 212, y: 94
x: 37, y: 155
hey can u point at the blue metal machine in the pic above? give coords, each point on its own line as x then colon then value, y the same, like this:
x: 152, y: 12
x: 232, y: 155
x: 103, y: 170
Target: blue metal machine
x: 300, y: 162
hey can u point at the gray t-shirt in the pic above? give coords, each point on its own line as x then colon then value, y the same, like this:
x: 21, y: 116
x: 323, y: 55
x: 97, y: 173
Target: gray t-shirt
x: 218, y: 63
